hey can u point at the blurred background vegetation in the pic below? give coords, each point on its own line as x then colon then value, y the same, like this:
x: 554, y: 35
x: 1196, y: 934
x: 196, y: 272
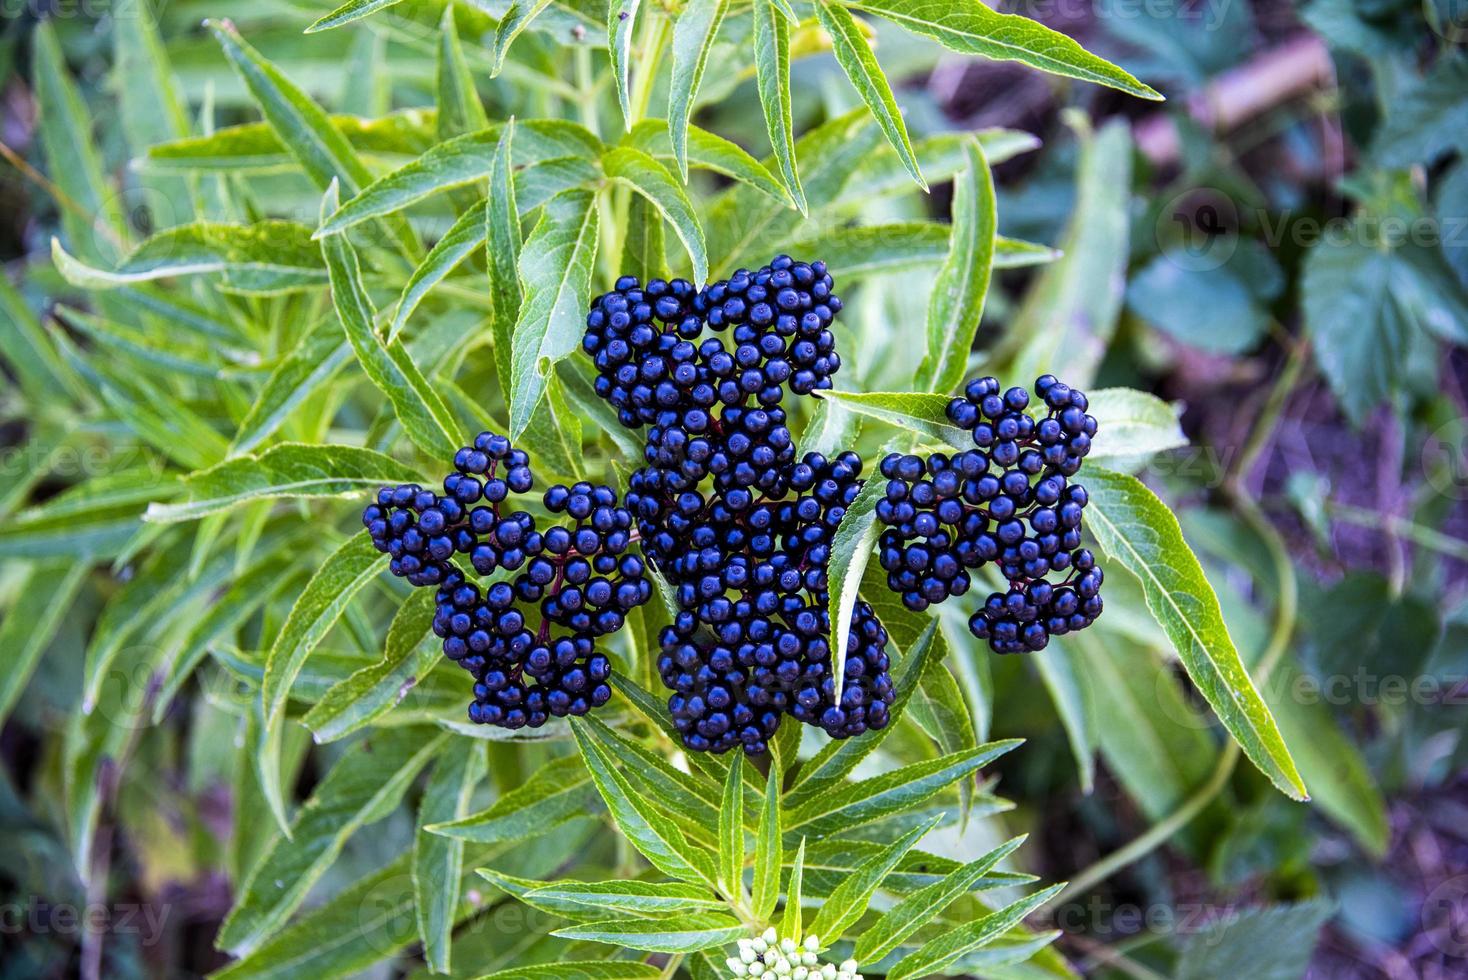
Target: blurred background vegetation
x: 1281, y: 248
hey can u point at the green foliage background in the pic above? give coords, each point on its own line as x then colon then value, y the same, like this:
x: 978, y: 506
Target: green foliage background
x: 291, y: 254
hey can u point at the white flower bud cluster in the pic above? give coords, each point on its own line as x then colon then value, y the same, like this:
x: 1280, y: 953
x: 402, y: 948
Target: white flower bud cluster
x: 771, y: 957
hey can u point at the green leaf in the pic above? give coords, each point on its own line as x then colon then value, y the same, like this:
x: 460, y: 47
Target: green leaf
x: 93, y: 519
x: 352, y: 10
x: 657, y: 898
x: 1222, y: 310
x: 359, y: 790
x: 43, y: 597
x: 517, y: 17
x: 791, y: 925
x: 1071, y: 311
x: 558, y: 791
x: 848, y: 902
x: 854, y: 53
x: 466, y: 159
x: 892, y: 792
x: 250, y: 589
x: 286, y: 470
x: 652, y: 833
x: 650, y: 179
x: 731, y: 832
x: 694, y: 33
x: 457, y: 244
x: 1138, y: 532
x: 969, y: 27
x: 621, y: 18
x: 438, y: 862
x: 936, y: 954
x: 91, y: 212
x: 555, y: 268
x: 851, y: 548
x: 265, y: 258
x: 1428, y: 116
x: 372, y: 691
x: 709, y: 151
x: 1271, y: 943
x: 593, y: 970
x: 1365, y: 301
x: 459, y: 108
x: 255, y: 147
x: 315, y: 612
x: 772, y: 75
x: 418, y: 405
x: 956, y: 305
x: 502, y: 256
x: 768, y: 851
x: 1129, y: 423
x: 644, y: 253
x: 306, y: 370
x: 684, y: 934
x: 1065, y: 682
x: 837, y: 758
x: 924, y: 905
x: 31, y: 355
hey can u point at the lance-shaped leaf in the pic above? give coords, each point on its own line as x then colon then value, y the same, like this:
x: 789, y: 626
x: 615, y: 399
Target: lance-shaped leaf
x: 1064, y: 680
x: 851, y: 547
x: 315, y: 612
x: 892, y: 792
x: 768, y: 850
x: 793, y: 919
x: 649, y: 830
x: 371, y: 692
x: 265, y: 258
x: 502, y: 256
x: 464, y: 160
x: 709, y: 151
x: 418, y: 405
x: 969, y: 27
x: 621, y: 19
x: 854, y: 54
x: 309, y: 367
x: 1130, y: 424
x: 42, y: 599
x: 302, y: 125
x: 556, y: 792
x: 588, y: 970
x: 363, y: 787
x: 772, y: 77
x: 846, y: 904
x: 656, y: 898
x: 1140, y: 533
x: 456, y: 245
x: 438, y: 862
x: 286, y: 470
x: 693, y: 38
x: 956, y: 305
x: 555, y: 268
x: 352, y: 10
x: 731, y: 832
x: 644, y: 250
x: 650, y: 179
x: 459, y: 108
x: 681, y: 934
x: 924, y: 905
x: 254, y: 146
x: 93, y: 519
x: 517, y: 17
x: 839, y: 757
x: 936, y: 954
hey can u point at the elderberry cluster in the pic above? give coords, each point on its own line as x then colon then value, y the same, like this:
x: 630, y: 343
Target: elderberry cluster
x: 1009, y: 501
x: 711, y: 407
x: 529, y: 640
x: 740, y: 528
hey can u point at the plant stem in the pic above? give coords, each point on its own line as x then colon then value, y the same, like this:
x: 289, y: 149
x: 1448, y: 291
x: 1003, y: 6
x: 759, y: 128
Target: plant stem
x: 1158, y: 834
x: 671, y: 969
x: 654, y: 42
x: 1443, y: 544
x: 1263, y: 432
